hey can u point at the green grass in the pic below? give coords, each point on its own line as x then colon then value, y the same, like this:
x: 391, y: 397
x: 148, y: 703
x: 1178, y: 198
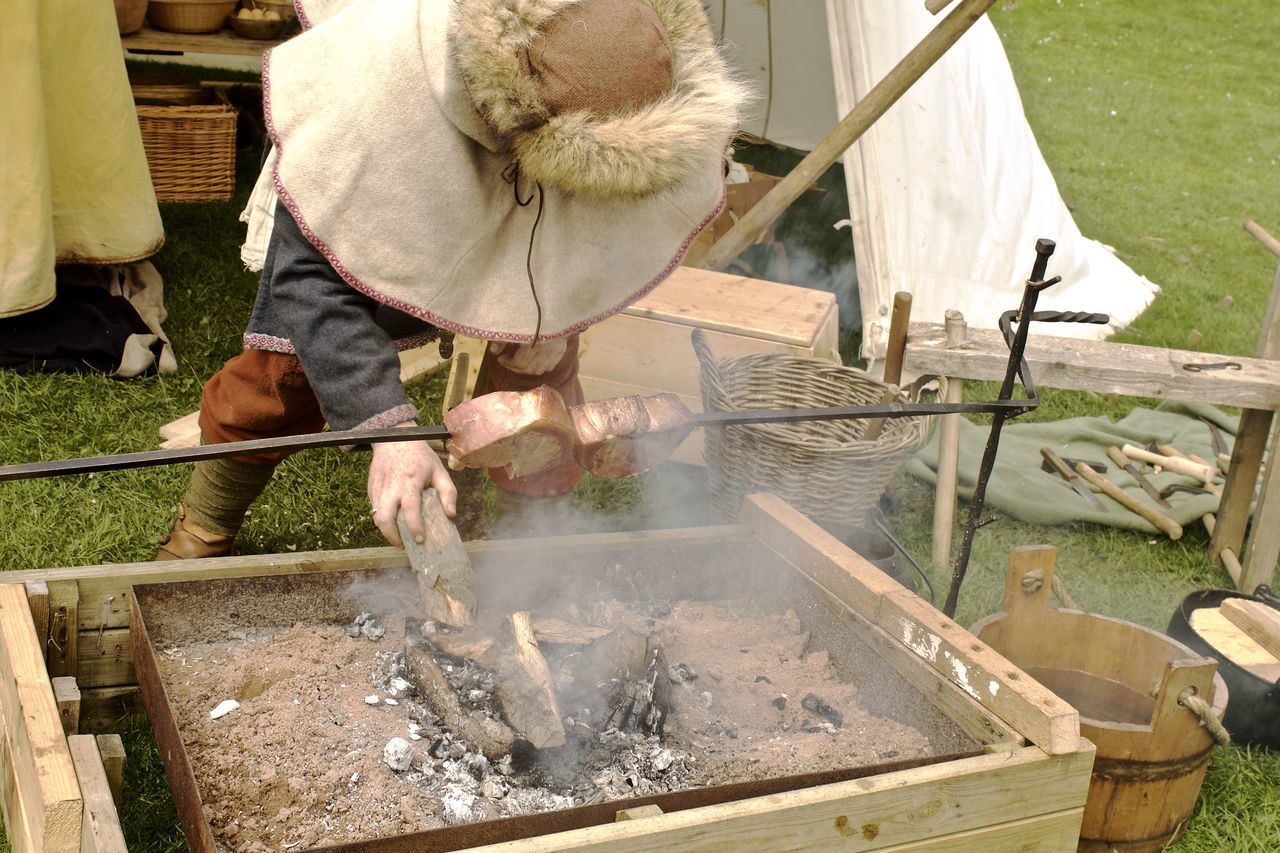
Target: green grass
x: 1191, y: 151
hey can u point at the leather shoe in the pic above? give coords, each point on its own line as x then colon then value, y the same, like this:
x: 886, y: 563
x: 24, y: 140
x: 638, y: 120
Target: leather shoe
x: 189, y: 541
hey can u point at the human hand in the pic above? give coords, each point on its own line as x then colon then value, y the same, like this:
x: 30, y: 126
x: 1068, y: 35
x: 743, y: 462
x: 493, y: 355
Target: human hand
x: 529, y: 359
x: 398, y: 473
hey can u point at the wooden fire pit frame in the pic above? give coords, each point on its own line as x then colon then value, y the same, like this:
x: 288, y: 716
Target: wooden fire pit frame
x: 1028, y: 788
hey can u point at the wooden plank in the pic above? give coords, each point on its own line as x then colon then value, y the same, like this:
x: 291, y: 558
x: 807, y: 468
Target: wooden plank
x: 16, y: 831
x: 892, y: 809
x: 988, y: 677
x: 818, y: 554
x: 1256, y: 619
x: 111, y: 748
x: 38, y: 601
x: 738, y: 305
x: 856, y: 590
x: 956, y: 705
x: 225, y: 42
x: 657, y: 354
x: 64, y: 639
x: 105, y: 659
x: 43, y: 785
x: 1101, y: 367
x: 638, y: 813
x: 1229, y: 641
x: 1262, y: 549
x: 105, y: 589
x: 1056, y: 832
x: 66, y: 695
x: 100, y: 826
x: 105, y: 709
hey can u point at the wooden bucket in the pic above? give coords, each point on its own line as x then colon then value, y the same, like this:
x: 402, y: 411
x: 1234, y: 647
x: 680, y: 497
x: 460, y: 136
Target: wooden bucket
x: 1126, y: 681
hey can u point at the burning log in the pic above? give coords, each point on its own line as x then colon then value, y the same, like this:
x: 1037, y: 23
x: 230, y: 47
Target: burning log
x: 524, y: 688
x: 559, y: 632
x: 622, y: 680
x: 491, y: 737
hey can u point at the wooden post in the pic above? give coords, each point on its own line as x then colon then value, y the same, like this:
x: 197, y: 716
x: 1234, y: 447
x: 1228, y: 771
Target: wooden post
x: 111, y: 748
x: 100, y: 827
x: 38, y: 601
x: 1246, y: 459
x: 64, y: 627
x: 884, y: 95
x: 1262, y: 550
x: 42, y: 805
x: 66, y: 694
x: 944, y: 498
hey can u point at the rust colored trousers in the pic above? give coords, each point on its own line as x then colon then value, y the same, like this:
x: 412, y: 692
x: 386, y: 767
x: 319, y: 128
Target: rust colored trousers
x: 261, y: 394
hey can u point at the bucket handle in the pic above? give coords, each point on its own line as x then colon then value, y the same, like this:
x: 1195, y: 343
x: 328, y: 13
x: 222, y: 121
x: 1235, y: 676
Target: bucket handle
x: 1185, y: 686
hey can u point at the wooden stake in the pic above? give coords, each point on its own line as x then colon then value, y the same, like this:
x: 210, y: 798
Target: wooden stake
x: 524, y: 688
x: 66, y: 694
x: 944, y: 500
x: 64, y: 627
x: 884, y: 95
x: 100, y: 828
x: 38, y: 601
x: 898, y: 324
x: 111, y: 747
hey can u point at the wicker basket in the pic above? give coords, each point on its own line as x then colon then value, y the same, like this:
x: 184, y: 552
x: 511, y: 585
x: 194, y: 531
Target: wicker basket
x: 189, y: 16
x: 823, y: 468
x: 191, y: 147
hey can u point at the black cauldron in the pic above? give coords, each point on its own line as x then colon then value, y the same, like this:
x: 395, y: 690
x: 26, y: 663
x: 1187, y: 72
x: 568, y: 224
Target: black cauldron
x: 1253, y: 714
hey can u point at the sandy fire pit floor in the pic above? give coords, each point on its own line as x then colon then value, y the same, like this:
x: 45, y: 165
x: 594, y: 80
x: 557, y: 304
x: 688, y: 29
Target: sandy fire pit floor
x: 301, y: 763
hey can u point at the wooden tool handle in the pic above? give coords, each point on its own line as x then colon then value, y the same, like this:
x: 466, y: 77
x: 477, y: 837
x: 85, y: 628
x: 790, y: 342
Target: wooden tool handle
x: 898, y: 324
x: 1161, y: 521
x: 893, y: 358
x: 1059, y: 464
x: 1172, y: 463
x: 1116, y: 456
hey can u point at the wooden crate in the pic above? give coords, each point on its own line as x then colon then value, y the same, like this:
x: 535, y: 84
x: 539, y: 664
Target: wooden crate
x: 1027, y: 789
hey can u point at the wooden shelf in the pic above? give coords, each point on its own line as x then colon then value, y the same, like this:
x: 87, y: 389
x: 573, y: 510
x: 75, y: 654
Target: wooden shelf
x: 224, y: 41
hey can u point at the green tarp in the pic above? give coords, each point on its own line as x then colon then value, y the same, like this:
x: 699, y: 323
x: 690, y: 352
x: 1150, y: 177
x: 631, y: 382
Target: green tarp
x: 1020, y: 489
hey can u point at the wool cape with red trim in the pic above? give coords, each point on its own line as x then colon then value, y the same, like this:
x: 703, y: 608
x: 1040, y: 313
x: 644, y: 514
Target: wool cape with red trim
x: 395, y: 124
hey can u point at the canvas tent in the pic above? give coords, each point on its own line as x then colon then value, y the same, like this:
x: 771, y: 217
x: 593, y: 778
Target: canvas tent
x: 948, y: 190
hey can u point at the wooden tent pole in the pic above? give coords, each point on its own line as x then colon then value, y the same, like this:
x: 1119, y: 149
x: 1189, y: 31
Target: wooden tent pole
x: 862, y: 116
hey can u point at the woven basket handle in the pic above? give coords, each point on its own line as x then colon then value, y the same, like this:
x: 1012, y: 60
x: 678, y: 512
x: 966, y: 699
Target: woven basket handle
x: 709, y: 368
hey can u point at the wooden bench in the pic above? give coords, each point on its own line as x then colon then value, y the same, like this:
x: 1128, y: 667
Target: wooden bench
x: 1138, y: 371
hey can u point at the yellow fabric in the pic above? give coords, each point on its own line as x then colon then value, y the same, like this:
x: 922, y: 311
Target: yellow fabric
x: 74, y: 183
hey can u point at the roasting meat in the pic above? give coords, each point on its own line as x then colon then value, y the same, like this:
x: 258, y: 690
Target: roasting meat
x: 623, y: 436
x: 524, y: 432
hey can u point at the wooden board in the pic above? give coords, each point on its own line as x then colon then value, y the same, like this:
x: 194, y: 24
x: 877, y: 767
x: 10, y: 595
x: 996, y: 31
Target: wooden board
x: 41, y: 795
x: 1099, y: 366
x: 1234, y: 644
x: 100, y: 827
x: 224, y: 41
x: 64, y: 639
x: 1256, y: 619
x: 926, y: 804
x: 1016, y: 794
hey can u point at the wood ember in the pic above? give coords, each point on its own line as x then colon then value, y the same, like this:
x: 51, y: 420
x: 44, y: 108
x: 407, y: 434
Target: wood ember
x: 524, y: 687
x: 619, y: 681
x: 492, y: 737
x: 304, y: 758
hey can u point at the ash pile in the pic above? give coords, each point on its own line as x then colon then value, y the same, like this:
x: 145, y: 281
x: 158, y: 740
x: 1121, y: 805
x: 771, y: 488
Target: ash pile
x: 498, y: 729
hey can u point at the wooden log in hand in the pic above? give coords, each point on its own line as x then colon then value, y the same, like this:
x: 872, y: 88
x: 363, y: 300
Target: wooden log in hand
x: 441, y: 565
x: 1161, y: 521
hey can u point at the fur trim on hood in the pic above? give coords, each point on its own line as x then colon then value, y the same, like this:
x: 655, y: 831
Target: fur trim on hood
x: 635, y: 154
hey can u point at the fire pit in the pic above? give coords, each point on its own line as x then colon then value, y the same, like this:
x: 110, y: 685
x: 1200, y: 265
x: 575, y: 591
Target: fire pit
x: 777, y: 671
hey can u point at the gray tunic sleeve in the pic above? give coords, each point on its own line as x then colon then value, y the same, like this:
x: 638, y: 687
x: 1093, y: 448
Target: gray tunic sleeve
x: 349, y: 359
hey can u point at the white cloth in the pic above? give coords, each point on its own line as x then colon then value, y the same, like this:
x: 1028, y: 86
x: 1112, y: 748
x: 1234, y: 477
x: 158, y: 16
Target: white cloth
x: 74, y: 182
x: 948, y: 191
x: 393, y: 176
